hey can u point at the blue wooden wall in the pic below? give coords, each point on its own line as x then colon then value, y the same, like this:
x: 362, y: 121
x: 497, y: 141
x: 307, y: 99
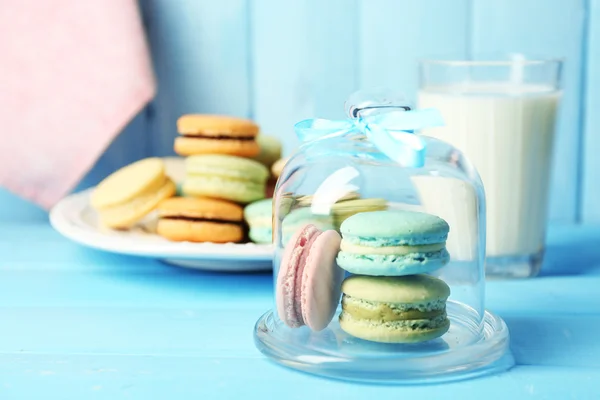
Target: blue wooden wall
x: 281, y: 61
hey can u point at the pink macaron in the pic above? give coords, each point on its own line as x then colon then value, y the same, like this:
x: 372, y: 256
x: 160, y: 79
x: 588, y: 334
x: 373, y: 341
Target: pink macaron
x: 309, y: 281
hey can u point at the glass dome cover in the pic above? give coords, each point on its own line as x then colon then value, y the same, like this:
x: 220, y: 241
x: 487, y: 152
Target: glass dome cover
x: 379, y: 237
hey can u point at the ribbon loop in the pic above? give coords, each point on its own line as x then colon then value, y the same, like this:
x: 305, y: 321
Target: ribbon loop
x: 392, y: 132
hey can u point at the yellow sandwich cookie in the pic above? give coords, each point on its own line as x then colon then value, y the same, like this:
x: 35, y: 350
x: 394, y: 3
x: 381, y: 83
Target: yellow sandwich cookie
x: 129, y: 194
x: 390, y: 250
x: 277, y: 166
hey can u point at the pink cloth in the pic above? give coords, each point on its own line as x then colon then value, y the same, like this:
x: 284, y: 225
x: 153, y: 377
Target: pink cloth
x: 72, y: 75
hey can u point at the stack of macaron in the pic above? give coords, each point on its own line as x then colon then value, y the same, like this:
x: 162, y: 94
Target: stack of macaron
x: 389, y: 297
x: 226, y: 166
x: 219, y: 164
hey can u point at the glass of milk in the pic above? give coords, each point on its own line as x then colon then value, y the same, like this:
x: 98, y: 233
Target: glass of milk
x: 501, y: 114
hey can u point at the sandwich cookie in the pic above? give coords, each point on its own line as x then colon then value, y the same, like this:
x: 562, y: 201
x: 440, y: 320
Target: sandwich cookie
x: 402, y: 309
x: 130, y: 193
x: 309, y: 280
x: 216, y: 134
x: 200, y: 220
x: 343, y: 210
x: 277, y: 167
x: 175, y: 170
x: 393, y: 243
x: 259, y: 216
x: 225, y: 177
x: 270, y: 150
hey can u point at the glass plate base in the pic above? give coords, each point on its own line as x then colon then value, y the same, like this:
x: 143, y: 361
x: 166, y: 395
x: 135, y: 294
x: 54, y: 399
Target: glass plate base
x: 463, y: 352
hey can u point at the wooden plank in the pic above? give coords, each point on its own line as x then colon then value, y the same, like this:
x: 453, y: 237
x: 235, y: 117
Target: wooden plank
x: 200, y: 51
x: 591, y: 144
x: 92, y: 376
x: 394, y: 34
x: 540, y: 29
x: 303, y: 62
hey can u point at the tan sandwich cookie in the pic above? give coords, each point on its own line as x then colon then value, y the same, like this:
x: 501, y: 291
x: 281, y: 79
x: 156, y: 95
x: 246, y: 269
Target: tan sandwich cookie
x: 277, y: 167
x: 308, y: 200
x: 347, y: 208
x: 129, y: 194
x: 200, y: 220
x: 216, y: 134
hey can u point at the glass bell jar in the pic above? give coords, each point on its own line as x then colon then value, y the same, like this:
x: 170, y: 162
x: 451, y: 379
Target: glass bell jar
x: 379, y: 237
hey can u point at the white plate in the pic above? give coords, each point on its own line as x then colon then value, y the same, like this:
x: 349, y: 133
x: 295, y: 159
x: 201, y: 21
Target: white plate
x: 74, y: 219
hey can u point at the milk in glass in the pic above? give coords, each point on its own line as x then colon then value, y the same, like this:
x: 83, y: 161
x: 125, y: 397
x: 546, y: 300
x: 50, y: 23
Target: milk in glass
x: 507, y: 132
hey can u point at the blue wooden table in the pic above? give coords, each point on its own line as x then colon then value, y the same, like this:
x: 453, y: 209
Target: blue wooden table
x: 83, y: 324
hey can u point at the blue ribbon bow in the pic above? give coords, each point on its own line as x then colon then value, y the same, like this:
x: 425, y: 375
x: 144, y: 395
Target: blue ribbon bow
x: 391, y: 132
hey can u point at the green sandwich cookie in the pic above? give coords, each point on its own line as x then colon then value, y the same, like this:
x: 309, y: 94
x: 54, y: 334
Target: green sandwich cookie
x: 225, y: 177
x: 404, y: 309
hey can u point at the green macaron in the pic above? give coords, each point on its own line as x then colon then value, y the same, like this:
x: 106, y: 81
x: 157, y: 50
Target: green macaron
x: 225, y: 177
x: 270, y: 150
x: 403, y: 309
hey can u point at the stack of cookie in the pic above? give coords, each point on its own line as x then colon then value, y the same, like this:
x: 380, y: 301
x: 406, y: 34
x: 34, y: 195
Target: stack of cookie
x: 220, y: 178
x: 227, y: 166
x: 218, y: 164
x: 390, y: 298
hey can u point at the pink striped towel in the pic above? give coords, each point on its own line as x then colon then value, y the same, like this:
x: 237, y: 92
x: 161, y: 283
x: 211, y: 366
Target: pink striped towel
x: 73, y: 73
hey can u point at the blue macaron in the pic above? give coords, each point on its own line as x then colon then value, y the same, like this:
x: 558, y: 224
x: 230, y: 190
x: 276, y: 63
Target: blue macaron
x: 393, y: 243
x: 258, y: 215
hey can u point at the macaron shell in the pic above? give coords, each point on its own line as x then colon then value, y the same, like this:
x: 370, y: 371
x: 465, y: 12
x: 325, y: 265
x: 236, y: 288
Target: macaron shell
x: 393, y: 265
x: 199, y: 231
x: 340, y: 198
x: 226, y: 166
x: 175, y: 168
x: 270, y: 150
x: 390, y: 333
x: 125, y: 215
x: 261, y: 235
x: 413, y: 289
x: 188, y: 146
x: 123, y: 185
x: 345, y: 209
x: 223, y: 188
x: 261, y: 211
x: 278, y: 166
x: 394, y: 227
x: 215, y: 124
x: 258, y: 215
x: 321, y: 282
x: 200, y: 208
